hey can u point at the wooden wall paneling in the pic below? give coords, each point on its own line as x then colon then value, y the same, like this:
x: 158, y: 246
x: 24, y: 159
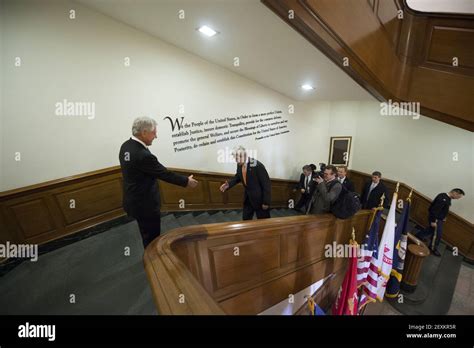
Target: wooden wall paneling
x: 41, y: 213
x: 397, y: 71
x: 387, y: 14
x: 290, y: 248
x: 268, y: 294
x: 255, y: 257
x: 29, y: 219
x: 412, y: 33
x: 360, y: 31
x: 449, y: 38
x: 89, y: 200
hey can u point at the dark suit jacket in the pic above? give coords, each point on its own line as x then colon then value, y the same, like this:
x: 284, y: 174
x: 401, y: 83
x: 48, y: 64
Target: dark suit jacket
x: 259, y: 187
x: 140, y: 169
x: 348, y: 185
x: 373, y: 201
x: 312, y: 183
x: 439, y: 208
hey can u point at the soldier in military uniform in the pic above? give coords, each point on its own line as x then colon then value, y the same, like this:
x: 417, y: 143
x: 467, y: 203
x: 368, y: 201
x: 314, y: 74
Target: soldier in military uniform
x: 437, y: 213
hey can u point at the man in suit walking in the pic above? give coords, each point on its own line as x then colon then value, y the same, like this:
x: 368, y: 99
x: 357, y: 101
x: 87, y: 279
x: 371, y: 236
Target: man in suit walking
x: 306, y: 186
x: 344, y: 180
x: 258, y: 188
x: 373, y: 191
x: 140, y: 171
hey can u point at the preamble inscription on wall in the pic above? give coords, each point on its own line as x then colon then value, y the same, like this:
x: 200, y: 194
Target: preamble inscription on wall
x: 193, y: 135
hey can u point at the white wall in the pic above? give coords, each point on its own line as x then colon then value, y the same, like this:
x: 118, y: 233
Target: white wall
x: 82, y: 60
x: 418, y: 152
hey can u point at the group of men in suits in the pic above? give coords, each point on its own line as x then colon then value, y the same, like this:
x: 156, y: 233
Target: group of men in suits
x: 372, y: 191
x: 141, y: 194
x: 141, y: 169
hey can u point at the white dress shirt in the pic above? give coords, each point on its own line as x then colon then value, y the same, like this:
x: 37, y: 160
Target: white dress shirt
x: 141, y: 142
x: 372, y: 186
x: 307, y: 182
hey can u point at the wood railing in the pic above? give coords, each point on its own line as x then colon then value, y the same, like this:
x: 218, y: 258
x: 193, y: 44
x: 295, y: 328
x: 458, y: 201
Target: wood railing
x: 41, y: 213
x: 247, y: 267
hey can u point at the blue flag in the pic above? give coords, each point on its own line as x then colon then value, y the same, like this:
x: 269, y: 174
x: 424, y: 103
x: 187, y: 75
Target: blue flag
x: 401, y: 235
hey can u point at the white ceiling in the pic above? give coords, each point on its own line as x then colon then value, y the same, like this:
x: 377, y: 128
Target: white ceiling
x: 449, y: 6
x: 270, y: 51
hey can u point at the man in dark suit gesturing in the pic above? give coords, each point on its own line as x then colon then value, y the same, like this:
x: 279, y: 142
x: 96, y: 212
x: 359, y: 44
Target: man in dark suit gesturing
x: 140, y: 171
x: 373, y: 191
x: 253, y: 175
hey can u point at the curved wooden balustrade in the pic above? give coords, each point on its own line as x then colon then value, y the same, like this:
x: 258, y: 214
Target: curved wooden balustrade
x: 247, y: 267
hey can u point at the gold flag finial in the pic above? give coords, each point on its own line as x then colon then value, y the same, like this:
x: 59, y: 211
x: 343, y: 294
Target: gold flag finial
x: 381, y: 200
x: 353, y: 234
x: 396, y: 189
x: 409, y: 195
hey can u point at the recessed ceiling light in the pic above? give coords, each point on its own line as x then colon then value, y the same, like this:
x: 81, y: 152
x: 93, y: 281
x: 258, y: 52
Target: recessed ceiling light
x: 307, y: 87
x: 207, y: 31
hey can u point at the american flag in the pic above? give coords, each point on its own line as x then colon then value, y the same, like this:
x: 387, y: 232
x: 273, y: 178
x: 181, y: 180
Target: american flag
x: 381, y: 262
x: 365, y: 266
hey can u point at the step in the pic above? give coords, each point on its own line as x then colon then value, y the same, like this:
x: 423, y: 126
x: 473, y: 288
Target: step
x: 168, y: 223
x: 289, y: 212
x: 187, y: 220
x: 218, y: 217
x: 276, y: 213
x: 203, y: 218
x: 234, y: 215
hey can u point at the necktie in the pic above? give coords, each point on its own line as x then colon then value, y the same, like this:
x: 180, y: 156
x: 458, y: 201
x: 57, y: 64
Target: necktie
x: 370, y: 190
x: 244, y: 173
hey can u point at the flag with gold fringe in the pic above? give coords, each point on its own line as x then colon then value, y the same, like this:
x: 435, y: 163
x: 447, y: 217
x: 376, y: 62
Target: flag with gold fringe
x: 381, y: 264
x: 401, y: 238
x: 347, y: 298
x: 314, y: 309
x: 386, y: 247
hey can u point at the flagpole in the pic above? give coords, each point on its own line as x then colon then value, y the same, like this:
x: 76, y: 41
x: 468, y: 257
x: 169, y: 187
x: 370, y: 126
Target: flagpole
x: 375, y: 210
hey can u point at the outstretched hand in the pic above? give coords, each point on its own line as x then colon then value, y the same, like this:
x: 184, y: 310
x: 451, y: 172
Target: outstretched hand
x: 224, y: 186
x: 192, y: 183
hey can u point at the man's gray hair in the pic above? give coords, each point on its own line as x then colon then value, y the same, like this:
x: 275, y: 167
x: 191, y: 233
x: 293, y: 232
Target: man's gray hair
x: 143, y: 123
x: 239, y: 150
